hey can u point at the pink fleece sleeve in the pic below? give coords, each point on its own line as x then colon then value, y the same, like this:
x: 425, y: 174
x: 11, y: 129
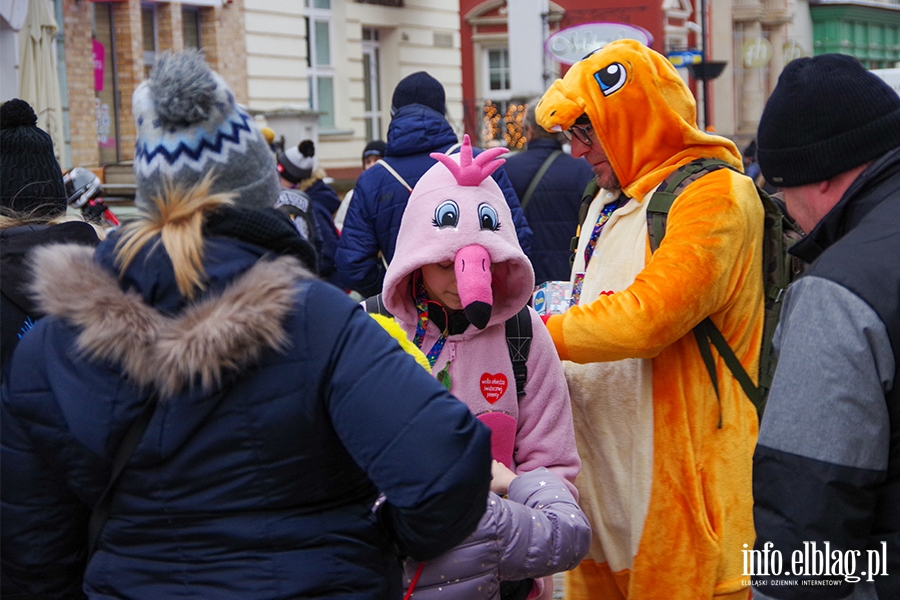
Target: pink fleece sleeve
x: 546, y: 436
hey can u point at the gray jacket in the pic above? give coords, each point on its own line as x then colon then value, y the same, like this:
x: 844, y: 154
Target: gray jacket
x: 827, y: 465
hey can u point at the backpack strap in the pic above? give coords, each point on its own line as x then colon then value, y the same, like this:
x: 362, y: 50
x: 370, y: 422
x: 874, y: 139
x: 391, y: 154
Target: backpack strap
x: 375, y: 305
x: 664, y: 196
x: 396, y: 175
x: 518, y: 340
x: 590, y: 192
x: 537, y: 178
x: 453, y: 149
x: 100, y: 512
x: 705, y: 332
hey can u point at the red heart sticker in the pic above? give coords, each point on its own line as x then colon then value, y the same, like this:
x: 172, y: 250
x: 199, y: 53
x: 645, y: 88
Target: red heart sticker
x: 493, y: 386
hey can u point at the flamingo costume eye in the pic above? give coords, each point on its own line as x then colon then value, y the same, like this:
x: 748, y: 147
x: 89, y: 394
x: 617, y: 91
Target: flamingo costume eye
x: 487, y: 217
x: 446, y: 214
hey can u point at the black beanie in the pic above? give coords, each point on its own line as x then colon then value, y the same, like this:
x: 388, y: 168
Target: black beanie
x: 373, y: 148
x: 30, y: 178
x: 419, y: 88
x: 827, y: 115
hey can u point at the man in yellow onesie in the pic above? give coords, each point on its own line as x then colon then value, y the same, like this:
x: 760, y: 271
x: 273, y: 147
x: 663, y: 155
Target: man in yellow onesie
x: 666, y: 465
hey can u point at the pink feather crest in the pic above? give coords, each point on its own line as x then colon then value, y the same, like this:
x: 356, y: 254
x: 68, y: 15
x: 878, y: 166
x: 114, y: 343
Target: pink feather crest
x: 469, y: 171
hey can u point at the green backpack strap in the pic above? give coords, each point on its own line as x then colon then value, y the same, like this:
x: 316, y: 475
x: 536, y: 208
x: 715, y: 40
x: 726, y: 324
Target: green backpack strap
x: 537, y: 178
x: 705, y: 332
x: 664, y: 196
x: 590, y: 192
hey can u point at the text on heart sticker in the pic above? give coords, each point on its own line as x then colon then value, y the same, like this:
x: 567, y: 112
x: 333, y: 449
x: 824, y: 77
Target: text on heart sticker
x: 493, y: 386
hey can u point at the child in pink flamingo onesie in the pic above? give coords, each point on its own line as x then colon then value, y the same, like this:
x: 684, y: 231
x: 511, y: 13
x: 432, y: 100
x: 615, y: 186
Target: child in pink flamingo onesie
x: 458, y: 274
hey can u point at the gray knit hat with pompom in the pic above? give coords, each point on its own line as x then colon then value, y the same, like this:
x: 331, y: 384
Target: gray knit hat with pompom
x: 188, y: 124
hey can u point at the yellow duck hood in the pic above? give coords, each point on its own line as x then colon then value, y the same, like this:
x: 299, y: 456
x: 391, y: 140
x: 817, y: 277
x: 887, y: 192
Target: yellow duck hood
x: 641, y: 110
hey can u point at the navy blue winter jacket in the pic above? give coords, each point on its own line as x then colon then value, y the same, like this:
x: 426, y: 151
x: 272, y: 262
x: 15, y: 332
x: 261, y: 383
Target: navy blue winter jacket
x: 552, y: 211
x: 373, y: 218
x: 325, y: 203
x: 284, y: 410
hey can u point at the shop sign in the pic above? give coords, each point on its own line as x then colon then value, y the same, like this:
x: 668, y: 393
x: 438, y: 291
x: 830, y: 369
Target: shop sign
x: 572, y: 44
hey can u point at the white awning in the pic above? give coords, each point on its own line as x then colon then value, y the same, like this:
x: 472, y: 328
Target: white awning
x: 14, y: 11
x: 187, y: 2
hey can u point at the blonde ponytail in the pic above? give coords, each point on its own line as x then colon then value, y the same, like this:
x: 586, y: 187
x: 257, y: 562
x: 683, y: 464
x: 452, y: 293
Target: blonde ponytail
x: 178, y: 220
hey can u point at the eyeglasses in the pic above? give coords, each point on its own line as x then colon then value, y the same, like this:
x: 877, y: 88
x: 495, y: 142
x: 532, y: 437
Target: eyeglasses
x: 582, y: 132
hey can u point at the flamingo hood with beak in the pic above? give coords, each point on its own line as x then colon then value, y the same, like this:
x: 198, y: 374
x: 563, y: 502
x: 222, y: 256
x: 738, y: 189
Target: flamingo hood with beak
x: 457, y: 213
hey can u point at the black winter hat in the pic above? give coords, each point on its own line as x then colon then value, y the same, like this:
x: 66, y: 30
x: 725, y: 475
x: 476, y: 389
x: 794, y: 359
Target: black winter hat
x: 827, y: 115
x: 419, y: 88
x: 30, y: 178
x: 374, y: 148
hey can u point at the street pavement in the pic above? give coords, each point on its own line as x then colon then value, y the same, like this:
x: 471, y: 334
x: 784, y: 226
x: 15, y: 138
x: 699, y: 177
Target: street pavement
x: 558, y: 586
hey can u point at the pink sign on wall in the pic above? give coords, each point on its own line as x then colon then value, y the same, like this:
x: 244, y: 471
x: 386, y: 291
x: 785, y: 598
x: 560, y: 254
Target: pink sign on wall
x: 99, y: 62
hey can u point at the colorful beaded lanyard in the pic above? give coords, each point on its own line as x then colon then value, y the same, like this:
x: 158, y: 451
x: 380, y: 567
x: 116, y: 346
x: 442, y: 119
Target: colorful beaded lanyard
x: 604, y: 216
x: 422, y: 301
x: 605, y: 213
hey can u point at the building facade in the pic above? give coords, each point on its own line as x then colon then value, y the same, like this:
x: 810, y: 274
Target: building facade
x: 753, y: 38
x: 326, y: 69
x: 106, y: 49
x: 340, y: 60
x: 868, y: 30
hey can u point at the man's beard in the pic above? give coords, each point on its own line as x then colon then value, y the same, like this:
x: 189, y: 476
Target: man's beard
x: 608, y: 180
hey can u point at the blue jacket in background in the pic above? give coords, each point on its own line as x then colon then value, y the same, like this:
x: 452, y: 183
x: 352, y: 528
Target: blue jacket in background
x: 263, y: 485
x: 325, y: 203
x: 373, y: 218
x: 552, y: 211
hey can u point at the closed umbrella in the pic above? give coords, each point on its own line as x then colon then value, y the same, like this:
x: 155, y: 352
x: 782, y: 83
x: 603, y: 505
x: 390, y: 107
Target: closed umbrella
x: 38, y: 79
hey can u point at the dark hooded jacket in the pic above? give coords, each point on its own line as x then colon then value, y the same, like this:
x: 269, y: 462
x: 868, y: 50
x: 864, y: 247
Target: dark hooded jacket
x: 552, y: 210
x: 373, y: 218
x: 325, y: 203
x: 17, y: 310
x: 282, y: 411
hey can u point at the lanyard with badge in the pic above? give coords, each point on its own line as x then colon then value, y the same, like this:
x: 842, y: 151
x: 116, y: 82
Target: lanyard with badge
x: 422, y: 301
x: 602, y: 219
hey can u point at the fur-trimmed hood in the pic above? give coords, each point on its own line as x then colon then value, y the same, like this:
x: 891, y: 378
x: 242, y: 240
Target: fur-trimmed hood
x: 222, y: 332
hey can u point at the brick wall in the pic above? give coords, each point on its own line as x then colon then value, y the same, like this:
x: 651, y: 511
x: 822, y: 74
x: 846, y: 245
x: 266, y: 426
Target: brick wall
x: 80, y: 83
x: 170, y: 33
x: 129, y: 67
x: 223, y: 37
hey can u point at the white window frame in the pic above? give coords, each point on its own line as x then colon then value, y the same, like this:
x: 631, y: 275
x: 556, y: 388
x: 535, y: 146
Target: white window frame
x: 194, y: 9
x: 316, y: 71
x: 371, y: 51
x: 490, y: 94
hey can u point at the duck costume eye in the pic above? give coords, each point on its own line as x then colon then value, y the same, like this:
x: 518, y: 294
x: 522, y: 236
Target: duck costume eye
x: 487, y: 217
x: 446, y: 214
x: 611, y: 78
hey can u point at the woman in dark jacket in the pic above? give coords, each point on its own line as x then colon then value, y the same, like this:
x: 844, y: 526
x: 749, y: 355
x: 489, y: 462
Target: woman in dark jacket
x: 32, y: 213
x: 294, y: 450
